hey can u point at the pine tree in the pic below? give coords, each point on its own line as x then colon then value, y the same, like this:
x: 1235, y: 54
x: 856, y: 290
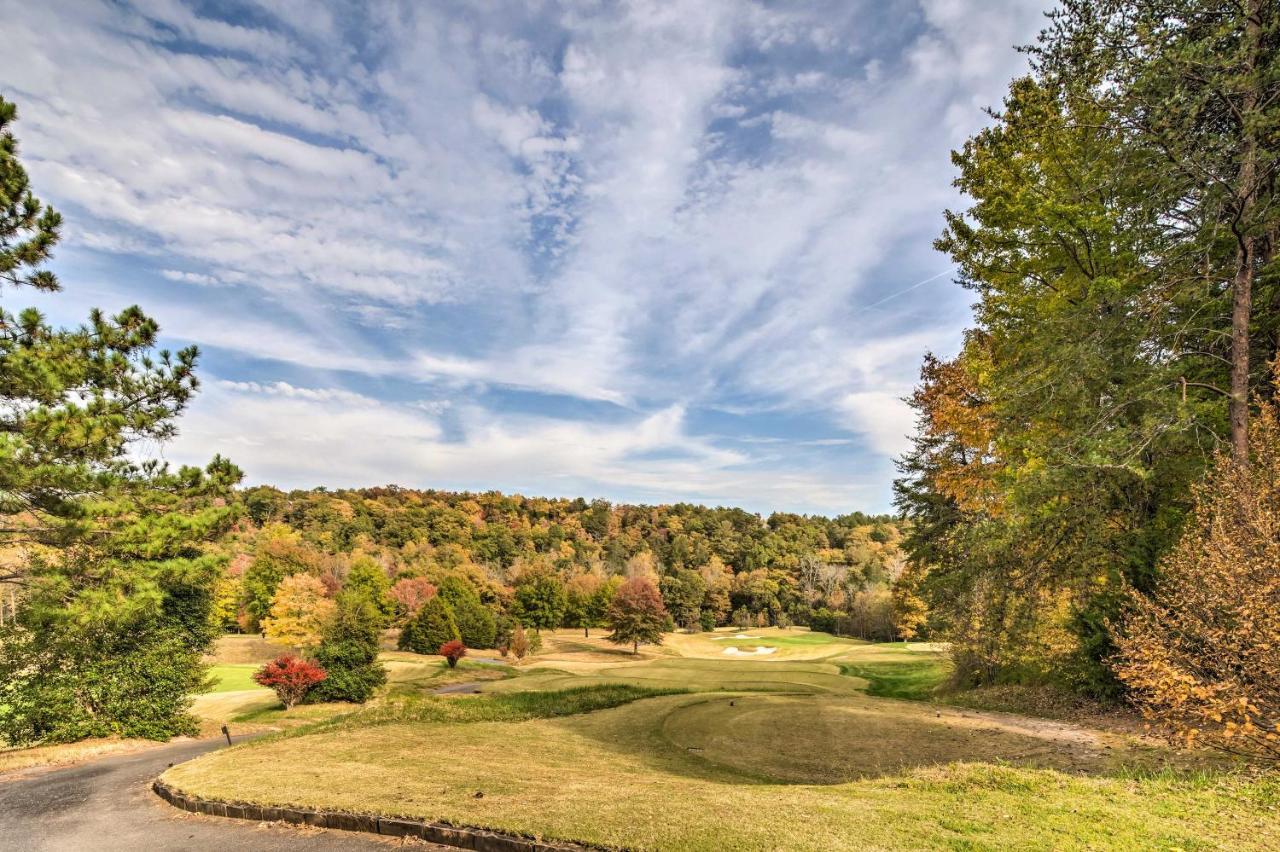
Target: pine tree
x: 348, y: 652
x: 476, y: 624
x: 116, y: 588
x: 432, y: 627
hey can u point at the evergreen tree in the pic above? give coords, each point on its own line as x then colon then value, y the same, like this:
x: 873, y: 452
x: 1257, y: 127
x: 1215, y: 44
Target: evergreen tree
x: 348, y: 652
x: 115, y: 584
x: 432, y: 627
x: 476, y: 624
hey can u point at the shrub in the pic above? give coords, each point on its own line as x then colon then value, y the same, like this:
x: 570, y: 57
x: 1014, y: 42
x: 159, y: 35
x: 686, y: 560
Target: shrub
x: 432, y: 627
x: 1202, y: 655
x: 707, y: 620
x: 290, y: 677
x: 348, y: 651
x: 519, y: 642
x: 452, y: 651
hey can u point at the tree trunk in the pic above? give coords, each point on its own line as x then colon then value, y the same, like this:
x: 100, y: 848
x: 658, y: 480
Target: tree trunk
x: 1242, y: 286
x: 586, y: 632
x: 635, y: 647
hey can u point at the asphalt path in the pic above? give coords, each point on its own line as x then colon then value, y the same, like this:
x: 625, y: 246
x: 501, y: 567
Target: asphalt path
x: 108, y: 804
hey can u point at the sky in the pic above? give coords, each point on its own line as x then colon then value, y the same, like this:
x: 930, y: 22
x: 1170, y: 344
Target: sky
x: 648, y: 251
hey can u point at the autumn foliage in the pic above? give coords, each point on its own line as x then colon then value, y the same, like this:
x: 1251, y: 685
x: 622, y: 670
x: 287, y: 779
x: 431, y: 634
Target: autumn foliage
x: 290, y: 677
x: 452, y: 651
x: 1202, y: 657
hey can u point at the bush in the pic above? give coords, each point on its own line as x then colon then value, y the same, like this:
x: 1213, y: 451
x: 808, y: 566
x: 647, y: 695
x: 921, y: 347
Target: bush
x: 1202, y: 655
x: 707, y: 620
x: 453, y: 651
x: 432, y: 627
x: 290, y: 677
x: 348, y: 651
x: 519, y: 642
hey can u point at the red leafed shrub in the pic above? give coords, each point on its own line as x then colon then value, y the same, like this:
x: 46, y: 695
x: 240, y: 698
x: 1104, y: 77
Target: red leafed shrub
x: 452, y: 651
x: 290, y: 677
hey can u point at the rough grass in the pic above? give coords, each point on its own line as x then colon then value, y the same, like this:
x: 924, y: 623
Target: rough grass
x: 63, y: 754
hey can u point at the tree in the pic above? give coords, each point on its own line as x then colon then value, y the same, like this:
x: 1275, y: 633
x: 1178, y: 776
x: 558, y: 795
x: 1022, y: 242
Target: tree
x: 348, y: 651
x: 580, y: 602
x: 476, y: 624
x: 432, y: 627
x: 637, y: 615
x: 683, y: 592
x: 410, y: 593
x: 290, y: 677
x: 111, y: 559
x: 369, y: 579
x: 453, y: 651
x: 300, y: 611
x: 540, y: 602
x: 1118, y: 231
x: 1201, y: 656
x: 1197, y: 84
x: 280, y: 553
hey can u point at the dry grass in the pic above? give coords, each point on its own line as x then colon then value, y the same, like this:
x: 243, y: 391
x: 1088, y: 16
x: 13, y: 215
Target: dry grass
x: 12, y: 760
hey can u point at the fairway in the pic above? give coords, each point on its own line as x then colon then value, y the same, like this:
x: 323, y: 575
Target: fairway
x: 233, y: 677
x: 748, y: 744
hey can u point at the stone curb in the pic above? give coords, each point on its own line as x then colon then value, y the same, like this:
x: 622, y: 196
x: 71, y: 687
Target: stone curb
x: 462, y: 837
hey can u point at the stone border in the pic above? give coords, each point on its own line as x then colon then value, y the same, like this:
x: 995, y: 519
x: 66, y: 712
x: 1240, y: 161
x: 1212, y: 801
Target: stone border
x: 462, y: 837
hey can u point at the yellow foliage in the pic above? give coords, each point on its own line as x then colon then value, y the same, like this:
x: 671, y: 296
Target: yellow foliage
x: 1202, y: 657
x: 299, y: 612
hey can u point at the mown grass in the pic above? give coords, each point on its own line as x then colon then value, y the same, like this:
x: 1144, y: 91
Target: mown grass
x: 656, y: 754
x: 233, y: 677
x: 645, y: 774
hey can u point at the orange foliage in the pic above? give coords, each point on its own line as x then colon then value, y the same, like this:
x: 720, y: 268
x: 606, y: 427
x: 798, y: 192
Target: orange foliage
x: 1202, y: 657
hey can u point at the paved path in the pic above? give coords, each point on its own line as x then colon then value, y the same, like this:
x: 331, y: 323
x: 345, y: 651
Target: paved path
x: 108, y: 805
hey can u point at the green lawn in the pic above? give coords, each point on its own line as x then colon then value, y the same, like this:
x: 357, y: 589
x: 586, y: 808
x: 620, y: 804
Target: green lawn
x: 817, y: 765
x: 233, y: 677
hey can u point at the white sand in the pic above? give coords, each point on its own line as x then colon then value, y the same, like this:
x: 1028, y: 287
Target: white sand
x: 752, y: 653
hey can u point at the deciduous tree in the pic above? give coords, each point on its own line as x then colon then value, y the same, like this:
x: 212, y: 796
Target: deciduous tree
x: 637, y: 615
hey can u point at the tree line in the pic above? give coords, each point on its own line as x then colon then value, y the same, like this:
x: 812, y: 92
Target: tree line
x: 1121, y: 244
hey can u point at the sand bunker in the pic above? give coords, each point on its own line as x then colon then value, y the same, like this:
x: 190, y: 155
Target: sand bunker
x: 734, y: 636
x: 753, y: 652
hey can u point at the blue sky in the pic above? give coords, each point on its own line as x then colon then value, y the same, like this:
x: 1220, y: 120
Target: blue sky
x: 650, y: 251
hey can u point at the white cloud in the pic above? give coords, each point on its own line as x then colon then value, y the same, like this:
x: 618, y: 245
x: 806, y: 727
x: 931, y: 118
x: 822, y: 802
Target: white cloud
x: 594, y: 201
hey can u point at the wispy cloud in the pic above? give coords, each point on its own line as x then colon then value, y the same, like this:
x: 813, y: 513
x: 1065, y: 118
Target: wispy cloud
x: 582, y: 234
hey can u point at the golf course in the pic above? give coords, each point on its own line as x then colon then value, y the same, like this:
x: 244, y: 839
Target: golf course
x: 708, y: 741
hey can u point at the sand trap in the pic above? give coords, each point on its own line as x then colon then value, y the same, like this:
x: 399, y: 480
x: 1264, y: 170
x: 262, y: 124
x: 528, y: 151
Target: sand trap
x: 734, y: 636
x: 755, y: 652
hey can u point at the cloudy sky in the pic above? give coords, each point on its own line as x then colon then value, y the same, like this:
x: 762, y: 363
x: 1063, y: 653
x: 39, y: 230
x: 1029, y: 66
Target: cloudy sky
x: 649, y: 251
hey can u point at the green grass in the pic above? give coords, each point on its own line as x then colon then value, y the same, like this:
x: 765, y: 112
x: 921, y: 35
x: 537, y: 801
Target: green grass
x: 916, y: 680
x: 233, y: 677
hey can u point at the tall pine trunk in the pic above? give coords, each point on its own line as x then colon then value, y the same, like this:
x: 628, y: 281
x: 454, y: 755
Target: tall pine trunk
x: 1242, y: 286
